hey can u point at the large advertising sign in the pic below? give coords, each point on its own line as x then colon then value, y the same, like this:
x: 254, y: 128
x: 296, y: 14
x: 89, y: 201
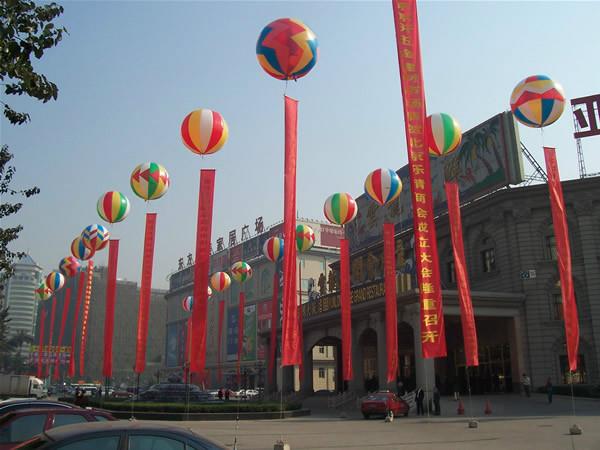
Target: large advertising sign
x: 232, y: 334
x: 488, y: 158
x: 249, y: 344
x: 176, y: 337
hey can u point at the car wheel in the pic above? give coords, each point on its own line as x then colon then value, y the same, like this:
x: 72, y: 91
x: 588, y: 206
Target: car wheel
x: 365, y: 415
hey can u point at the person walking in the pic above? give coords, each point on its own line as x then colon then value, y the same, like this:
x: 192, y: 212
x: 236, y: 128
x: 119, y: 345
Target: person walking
x: 436, y: 401
x: 526, y: 382
x: 401, y: 390
x: 549, y: 389
x: 227, y: 394
x: 419, y: 396
x: 220, y: 394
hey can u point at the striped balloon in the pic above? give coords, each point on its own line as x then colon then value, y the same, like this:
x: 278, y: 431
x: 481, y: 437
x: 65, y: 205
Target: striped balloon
x: 537, y: 101
x: 80, y: 251
x: 443, y: 134
x: 149, y: 181
x: 69, y: 266
x: 383, y: 186
x: 204, y: 131
x: 273, y: 249
x: 95, y: 237
x: 220, y: 281
x: 340, y: 208
x: 113, y: 207
x: 241, y: 271
x: 209, y: 291
x: 43, y: 292
x: 188, y: 303
x: 305, y: 237
x: 55, y: 281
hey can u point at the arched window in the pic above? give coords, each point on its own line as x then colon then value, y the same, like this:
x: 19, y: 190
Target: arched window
x: 487, y: 254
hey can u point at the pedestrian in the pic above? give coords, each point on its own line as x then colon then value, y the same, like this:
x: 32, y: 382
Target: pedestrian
x: 100, y: 392
x: 401, y: 390
x: 227, y: 394
x: 419, y: 396
x: 220, y: 394
x: 526, y: 382
x: 436, y: 401
x: 549, y: 389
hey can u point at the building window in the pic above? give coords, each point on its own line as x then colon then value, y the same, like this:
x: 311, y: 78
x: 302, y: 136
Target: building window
x: 557, y: 308
x: 488, y: 260
x: 321, y: 349
x: 450, y: 273
x: 551, y: 247
x: 321, y: 372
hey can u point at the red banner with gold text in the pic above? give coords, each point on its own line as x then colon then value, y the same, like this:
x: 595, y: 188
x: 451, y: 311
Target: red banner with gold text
x: 345, y: 309
x: 61, y: 332
x: 80, y: 282
x: 563, y: 256
x: 109, y: 317
x: 433, y: 339
x: 220, y: 332
x: 391, y: 309
x: 240, y: 343
x: 40, y: 368
x: 86, y: 315
x: 52, y: 316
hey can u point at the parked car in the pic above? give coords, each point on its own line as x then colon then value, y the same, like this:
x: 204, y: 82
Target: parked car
x: 382, y: 403
x: 18, y: 404
x: 19, y: 426
x: 173, y: 392
x: 121, y: 394
x: 118, y: 435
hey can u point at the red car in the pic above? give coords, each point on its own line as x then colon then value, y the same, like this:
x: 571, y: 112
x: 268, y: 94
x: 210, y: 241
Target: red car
x: 381, y: 403
x: 19, y: 426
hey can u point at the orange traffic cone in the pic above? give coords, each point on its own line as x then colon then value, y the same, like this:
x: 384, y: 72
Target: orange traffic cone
x: 461, y: 408
x: 488, y: 408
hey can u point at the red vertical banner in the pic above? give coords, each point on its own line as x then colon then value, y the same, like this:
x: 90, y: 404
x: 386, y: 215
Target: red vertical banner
x: 563, y: 256
x: 40, y: 368
x: 391, y: 309
x: 109, y: 316
x: 145, y: 292
x: 220, y: 339
x: 274, y: 324
x: 433, y: 339
x: 347, y: 372
x: 80, y: 282
x: 61, y: 332
x: 49, y: 353
x: 467, y: 318
x: 300, y: 324
x: 86, y: 314
x: 290, y: 345
x: 201, y: 269
x: 240, y: 340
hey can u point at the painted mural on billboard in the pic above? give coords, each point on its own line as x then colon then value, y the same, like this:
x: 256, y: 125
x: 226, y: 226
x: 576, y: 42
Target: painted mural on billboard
x: 232, y: 334
x: 488, y: 158
x: 175, y: 351
x: 249, y: 345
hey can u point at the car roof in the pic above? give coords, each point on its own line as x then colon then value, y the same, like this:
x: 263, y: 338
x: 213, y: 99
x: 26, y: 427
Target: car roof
x: 37, y: 403
x: 30, y: 411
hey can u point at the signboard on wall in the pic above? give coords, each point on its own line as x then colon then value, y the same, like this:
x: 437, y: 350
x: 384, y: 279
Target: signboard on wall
x: 232, y: 334
x: 331, y: 235
x: 249, y: 344
x: 175, y: 351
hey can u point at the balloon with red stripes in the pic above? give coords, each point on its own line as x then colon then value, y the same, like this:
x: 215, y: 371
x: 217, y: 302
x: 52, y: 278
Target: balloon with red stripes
x: 383, y: 186
x: 204, y: 131
x: 273, y: 249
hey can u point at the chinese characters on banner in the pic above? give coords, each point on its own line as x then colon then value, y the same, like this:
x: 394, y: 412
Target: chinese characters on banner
x: 433, y: 340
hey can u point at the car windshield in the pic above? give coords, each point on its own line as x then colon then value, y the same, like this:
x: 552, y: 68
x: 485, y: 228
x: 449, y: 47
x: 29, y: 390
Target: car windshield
x: 378, y: 397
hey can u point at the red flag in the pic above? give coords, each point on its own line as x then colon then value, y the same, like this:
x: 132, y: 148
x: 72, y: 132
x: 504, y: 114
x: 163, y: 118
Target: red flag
x: 274, y: 323
x: 290, y: 351
x: 86, y: 313
x: 467, y: 318
x: 80, y: 281
x: 391, y: 310
x: 40, y: 368
x: 346, y: 310
x: 220, y: 328
x: 563, y: 256
x: 61, y: 333
x: 240, y: 343
x: 109, y: 316
x: 201, y: 268
x: 300, y: 325
x: 145, y: 292
x: 433, y: 338
x: 52, y: 314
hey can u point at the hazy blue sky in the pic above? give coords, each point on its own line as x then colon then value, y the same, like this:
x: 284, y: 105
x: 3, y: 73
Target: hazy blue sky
x: 129, y: 72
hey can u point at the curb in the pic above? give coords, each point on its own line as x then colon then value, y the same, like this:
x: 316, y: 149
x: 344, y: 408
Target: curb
x: 270, y: 415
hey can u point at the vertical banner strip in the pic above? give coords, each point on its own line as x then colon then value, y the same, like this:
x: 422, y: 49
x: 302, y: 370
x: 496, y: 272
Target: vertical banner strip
x: 563, y: 256
x: 220, y: 339
x: 145, y: 293
x: 391, y: 309
x: 109, y: 318
x: 61, y: 332
x: 290, y: 350
x: 52, y: 316
x: 274, y: 324
x: 240, y: 340
x: 300, y: 324
x: 347, y: 372
x: 201, y: 268
x: 40, y: 369
x: 80, y: 282
x: 467, y: 317
x: 433, y: 339
x: 86, y: 315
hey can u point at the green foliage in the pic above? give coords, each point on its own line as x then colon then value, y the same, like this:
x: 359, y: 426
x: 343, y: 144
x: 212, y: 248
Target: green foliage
x: 27, y: 31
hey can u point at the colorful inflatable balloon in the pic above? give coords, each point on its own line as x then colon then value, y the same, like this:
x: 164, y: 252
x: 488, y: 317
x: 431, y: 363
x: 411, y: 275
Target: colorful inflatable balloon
x: 241, y: 271
x: 43, y: 292
x: 340, y: 208
x: 443, y: 134
x: 149, y: 181
x: 383, y: 186
x: 273, y: 249
x: 204, y: 131
x: 537, y: 101
x: 95, y: 237
x: 55, y: 281
x: 220, y: 281
x: 80, y: 251
x: 69, y: 266
x: 305, y: 237
x: 113, y: 207
x: 188, y: 303
x: 287, y: 49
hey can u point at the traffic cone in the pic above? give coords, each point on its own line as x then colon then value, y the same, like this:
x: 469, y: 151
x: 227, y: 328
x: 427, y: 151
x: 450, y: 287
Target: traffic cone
x: 461, y: 408
x: 488, y: 408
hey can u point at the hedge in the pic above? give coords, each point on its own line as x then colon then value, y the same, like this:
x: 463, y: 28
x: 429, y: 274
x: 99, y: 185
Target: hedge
x: 579, y: 390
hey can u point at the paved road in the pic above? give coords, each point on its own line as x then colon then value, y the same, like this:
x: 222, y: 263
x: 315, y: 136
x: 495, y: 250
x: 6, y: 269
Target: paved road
x: 516, y: 423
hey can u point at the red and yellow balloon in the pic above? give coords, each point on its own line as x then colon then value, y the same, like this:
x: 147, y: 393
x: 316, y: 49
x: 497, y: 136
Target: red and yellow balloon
x: 220, y: 281
x: 204, y: 131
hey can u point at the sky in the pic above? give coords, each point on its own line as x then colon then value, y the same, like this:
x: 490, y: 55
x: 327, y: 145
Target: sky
x: 129, y: 72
